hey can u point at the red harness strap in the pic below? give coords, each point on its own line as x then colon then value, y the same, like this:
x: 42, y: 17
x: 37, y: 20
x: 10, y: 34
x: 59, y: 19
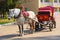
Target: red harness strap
x: 27, y: 14
x: 22, y: 11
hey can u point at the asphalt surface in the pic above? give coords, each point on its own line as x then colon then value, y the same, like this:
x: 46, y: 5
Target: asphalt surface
x: 10, y: 32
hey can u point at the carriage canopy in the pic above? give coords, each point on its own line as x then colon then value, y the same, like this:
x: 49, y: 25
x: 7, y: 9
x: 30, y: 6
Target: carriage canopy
x: 47, y: 8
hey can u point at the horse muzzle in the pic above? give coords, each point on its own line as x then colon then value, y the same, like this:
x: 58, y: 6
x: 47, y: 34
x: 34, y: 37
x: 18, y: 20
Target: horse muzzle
x: 8, y: 18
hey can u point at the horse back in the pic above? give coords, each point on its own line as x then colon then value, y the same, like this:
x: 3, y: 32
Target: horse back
x: 30, y: 14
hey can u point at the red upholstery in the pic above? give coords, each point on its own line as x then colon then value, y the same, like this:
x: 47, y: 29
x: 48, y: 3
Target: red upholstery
x: 43, y: 17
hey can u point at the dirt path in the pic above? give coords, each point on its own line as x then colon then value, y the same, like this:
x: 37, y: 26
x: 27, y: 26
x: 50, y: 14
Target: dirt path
x: 10, y: 32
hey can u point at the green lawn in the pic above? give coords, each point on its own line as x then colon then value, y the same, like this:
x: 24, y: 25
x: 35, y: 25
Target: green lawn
x: 3, y: 21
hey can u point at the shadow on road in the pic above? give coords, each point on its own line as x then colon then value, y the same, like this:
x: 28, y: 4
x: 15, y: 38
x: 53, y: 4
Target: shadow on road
x: 27, y: 32
x: 5, y: 37
x: 8, y: 36
x: 40, y: 38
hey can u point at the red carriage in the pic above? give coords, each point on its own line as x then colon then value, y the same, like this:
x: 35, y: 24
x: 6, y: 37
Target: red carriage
x: 46, y: 18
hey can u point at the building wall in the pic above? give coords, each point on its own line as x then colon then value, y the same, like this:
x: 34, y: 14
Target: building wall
x: 31, y: 5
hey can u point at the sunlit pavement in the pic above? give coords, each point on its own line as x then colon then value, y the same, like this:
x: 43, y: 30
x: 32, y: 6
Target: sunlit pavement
x: 10, y: 32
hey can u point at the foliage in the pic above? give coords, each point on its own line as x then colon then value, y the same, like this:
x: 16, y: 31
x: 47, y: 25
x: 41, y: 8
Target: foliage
x: 3, y: 7
x: 5, y: 15
x: 3, y: 21
x: 8, y: 4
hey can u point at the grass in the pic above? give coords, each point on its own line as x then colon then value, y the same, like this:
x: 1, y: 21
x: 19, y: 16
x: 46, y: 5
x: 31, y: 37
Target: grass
x: 4, y: 21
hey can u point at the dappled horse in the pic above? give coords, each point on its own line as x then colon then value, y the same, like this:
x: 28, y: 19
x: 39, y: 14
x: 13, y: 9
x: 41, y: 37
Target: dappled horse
x: 28, y: 16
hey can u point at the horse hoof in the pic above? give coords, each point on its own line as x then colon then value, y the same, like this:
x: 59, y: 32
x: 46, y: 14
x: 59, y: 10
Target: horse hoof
x: 20, y: 35
x: 54, y: 27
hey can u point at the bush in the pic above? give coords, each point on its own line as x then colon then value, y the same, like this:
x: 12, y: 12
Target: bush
x: 5, y: 15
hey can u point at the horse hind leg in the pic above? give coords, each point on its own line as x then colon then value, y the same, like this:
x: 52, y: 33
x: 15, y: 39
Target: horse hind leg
x: 32, y: 28
x: 33, y: 25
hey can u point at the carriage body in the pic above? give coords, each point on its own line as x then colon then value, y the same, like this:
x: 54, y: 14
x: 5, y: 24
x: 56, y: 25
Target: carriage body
x: 45, y: 17
x: 45, y: 13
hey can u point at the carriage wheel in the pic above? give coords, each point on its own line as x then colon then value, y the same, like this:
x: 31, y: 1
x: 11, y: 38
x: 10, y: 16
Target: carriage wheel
x: 54, y: 24
x: 50, y: 26
x: 36, y: 26
x: 20, y: 30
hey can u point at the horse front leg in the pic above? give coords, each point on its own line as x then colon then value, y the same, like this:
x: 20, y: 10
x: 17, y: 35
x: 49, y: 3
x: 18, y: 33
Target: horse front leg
x: 20, y: 30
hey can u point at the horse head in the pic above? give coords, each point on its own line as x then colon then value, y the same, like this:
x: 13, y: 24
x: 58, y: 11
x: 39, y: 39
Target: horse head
x: 14, y: 13
x: 10, y: 13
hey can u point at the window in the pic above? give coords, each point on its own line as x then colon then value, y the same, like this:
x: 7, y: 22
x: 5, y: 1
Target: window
x: 46, y: 0
x: 55, y: 1
x: 55, y: 9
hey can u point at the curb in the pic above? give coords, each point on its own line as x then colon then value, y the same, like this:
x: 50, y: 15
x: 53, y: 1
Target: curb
x: 8, y: 24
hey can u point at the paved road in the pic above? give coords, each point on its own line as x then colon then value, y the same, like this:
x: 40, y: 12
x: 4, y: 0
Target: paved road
x: 10, y: 32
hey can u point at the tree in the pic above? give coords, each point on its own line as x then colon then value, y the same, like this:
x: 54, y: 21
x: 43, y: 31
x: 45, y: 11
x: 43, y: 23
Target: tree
x: 5, y: 5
